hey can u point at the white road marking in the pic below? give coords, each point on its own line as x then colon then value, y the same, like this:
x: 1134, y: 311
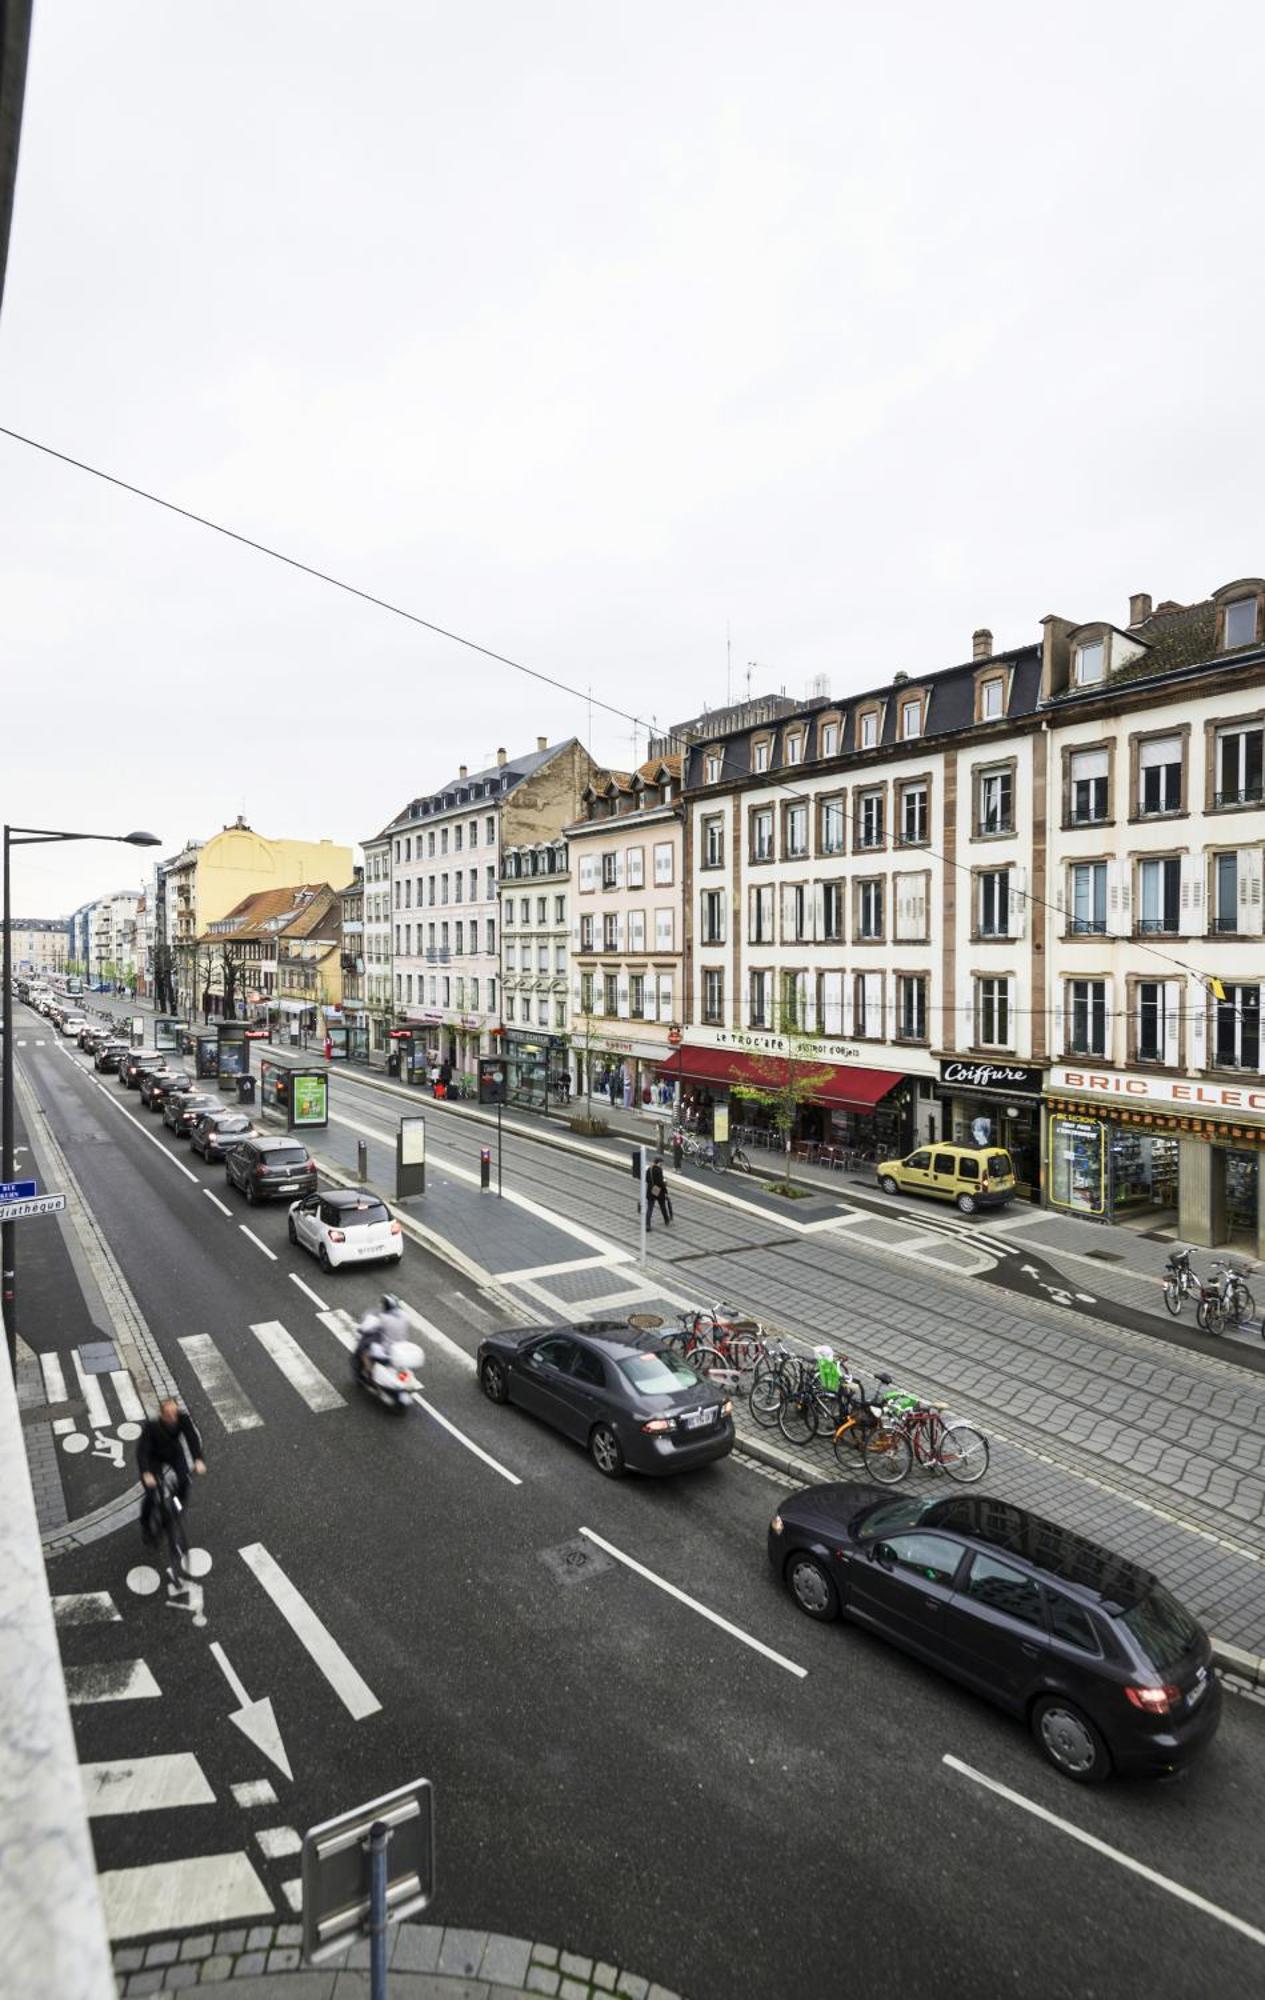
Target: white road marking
x: 220, y: 1386
x: 129, y: 1402
x: 317, y: 1641
x: 144, y: 1784
x: 166, y: 1896
x: 340, y: 1323
x: 438, y: 1339
x: 63, y: 1424
x: 277, y: 1841
x: 468, y: 1442
x: 293, y: 1892
x: 90, y: 1389
x: 471, y: 1306
x: 256, y: 1241
x: 221, y: 1205
x: 661, y: 1583
x: 54, y: 1380
x: 116, y: 1680
x: 319, y: 1303
x: 302, y: 1374
x: 256, y: 1792
x: 1089, y: 1840
x: 570, y: 1264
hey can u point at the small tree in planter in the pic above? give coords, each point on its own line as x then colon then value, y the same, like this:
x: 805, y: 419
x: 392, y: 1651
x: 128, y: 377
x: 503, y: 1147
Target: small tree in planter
x: 583, y: 1040
x: 784, y: 1083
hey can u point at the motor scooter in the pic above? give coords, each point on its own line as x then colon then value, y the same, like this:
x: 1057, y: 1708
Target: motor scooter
x: 392, y: 1376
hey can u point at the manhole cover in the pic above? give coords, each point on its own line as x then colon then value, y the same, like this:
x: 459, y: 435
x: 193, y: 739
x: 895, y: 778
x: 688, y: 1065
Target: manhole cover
x: 575, y: 1561
x: 645, y: 1322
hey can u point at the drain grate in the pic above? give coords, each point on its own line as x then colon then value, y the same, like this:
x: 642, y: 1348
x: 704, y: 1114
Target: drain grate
x: 1106, y: 1256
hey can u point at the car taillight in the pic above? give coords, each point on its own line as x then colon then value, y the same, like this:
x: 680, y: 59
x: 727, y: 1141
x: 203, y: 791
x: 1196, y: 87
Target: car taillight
x: 984, y: 1185
x: 396, y: 1230
x: 338, y: 1235
x: 658, y: 1424
x: 1154, y: 1701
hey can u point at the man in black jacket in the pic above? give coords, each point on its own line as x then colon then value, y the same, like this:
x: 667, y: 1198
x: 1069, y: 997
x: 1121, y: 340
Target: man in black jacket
x: 169, y: 1439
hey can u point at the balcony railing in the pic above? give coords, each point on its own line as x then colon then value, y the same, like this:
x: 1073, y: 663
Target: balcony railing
x: 1088, y: 927
x: 1242, y: 795
x: 1223, y: 923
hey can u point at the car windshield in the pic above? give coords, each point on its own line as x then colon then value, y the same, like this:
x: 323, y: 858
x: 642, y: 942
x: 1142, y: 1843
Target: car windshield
x: 1162, y: 1627
x: 658, y: 1374
x: 363, y: 1215
x: 890, y: 1516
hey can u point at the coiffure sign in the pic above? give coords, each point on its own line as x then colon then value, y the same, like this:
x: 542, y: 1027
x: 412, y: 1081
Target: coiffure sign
x: 753, y: 1042
x: 1174, y: 1091
x: 991, y: 1076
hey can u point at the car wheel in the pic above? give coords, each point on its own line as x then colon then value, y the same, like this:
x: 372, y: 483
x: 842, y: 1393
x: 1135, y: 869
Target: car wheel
x: 291, y: 1231
x: 492, y: 1381
x: 811, y: 1587
x: 606, y: 1451
x: 888, y: 1185
x: 322, y: 1258
x: 1070, y: 1741
x: 966, y: 1202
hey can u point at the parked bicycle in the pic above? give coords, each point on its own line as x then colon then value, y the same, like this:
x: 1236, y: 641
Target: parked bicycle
x: 1224, y: 1301
x: 1180, y: 1282
x: 957, y: 1449
x: 722, y: 1344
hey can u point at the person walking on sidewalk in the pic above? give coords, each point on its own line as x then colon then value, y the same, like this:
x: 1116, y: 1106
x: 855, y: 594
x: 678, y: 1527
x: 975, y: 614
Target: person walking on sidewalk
x: 169, y: 1439
x: 657, y: 1194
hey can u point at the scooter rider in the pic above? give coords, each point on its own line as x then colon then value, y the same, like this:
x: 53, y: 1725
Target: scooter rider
x: 378, y: 1332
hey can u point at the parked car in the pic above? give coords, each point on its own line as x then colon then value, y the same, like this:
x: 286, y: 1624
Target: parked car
x: 88, y: 1033
x: 632, y: 1409
x: 346, y: 1226
x: 108, y: 1055
x: 1108, y: 1670
x: 181, y: 1108
x: 158, y: 1083
x: 135, y: 1064
x: 216, y: 1131
x: 972, y: 1176
x: 267, y: 1166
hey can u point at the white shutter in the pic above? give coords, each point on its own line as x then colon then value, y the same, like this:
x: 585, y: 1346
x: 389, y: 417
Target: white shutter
x: 1191, y: 918
x: 808, y: 987
x: 1198, y: 1016
x: 665, y: 996
x: 1118, y: 924
x: 1173, y: 995
x: 650, y: 998
x: 1018, y: 905
x: 966, y: 1020
x: 576, y: 1000
x: 788, y: 912
x: 918, y: 900
x: 622, y: 998
x: 904, y: 913
x: 722, y: 913
x: 586, y: 871
x: 1250, y: 891
x: 753, y: 904
x: 619, y: 868
x: 1058, y: 1045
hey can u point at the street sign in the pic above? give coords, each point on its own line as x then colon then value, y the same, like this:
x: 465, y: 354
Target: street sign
x: 397, y: 1830
x: 44, y: 1204
x: 17, y: 1190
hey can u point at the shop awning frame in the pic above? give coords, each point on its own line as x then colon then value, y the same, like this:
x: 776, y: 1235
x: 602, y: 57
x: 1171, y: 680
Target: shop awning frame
x: 850, y: 1087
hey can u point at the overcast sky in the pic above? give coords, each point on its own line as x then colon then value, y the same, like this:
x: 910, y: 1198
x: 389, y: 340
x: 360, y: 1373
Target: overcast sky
x: 593, y: 330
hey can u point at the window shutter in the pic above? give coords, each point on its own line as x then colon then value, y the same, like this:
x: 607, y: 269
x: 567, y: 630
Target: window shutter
x: 788, y: 912
x: 665, y: 996
x: 1118, y: 898
x: 966, y: 1023
x: 650, y: 998
x: 1198, y: 1017
x: 919, y: 902
x: 1018, y: 906
x: 817, y: 930
x: 722, y: 910
x: 1250, y: 891
x: 1191, y: 919
x: 622, y: 999
x: 1058, y: 1043
x: 1173, y: 995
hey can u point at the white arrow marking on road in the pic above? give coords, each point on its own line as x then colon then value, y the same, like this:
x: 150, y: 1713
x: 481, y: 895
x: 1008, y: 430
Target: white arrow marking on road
x: 1030, y: 1271
x: 255, y: 1719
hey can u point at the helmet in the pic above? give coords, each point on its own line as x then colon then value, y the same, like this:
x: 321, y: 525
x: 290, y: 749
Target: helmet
x: 390, y: 1304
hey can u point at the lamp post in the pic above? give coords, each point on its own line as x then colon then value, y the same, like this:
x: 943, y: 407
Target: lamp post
x: 24, y: 836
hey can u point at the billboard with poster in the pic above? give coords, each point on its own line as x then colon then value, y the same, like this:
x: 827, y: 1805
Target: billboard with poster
x: 232, y: 1049
x: 309, y: 1097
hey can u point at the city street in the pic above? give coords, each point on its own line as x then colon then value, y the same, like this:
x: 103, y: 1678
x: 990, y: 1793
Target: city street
x: 734, y: 1807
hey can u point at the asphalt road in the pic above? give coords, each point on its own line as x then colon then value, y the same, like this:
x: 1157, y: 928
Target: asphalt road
x: 612, y: 1770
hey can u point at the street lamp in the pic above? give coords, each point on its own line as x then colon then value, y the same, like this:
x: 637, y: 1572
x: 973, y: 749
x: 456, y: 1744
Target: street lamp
x: 25, y: 836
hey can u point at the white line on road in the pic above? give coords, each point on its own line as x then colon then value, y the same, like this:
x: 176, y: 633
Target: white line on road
x: 319, y: 1303
x: 339, y: 1322
x: 570, y: 1264
x: 661, y: 1583
x: 85, y: 1607
x: 438, y: 1339
x: 54, y: 1380
x: 129, y: 1402
x: 302, y: 1374
x: 468, y: 1442
x: 110, y: 1680
x: 1183, y: 1895
x: 153, y: 1137
x: 90, y: 1389
x: 257, y: 1242
x: 219, y: 1385
x: 221, y: 1205
x: 317, y: 1641
x: 277, y: 1841
x: 166, y: 1896
x: 471, y: 1306
x: 144, y: 1784
x: 255, y: 1792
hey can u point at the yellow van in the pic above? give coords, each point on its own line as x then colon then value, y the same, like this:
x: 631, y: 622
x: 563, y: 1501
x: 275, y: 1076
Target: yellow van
x: 972, y: 1176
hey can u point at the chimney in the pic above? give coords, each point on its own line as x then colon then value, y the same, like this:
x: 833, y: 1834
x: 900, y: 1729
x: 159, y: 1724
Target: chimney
x: 461, y: 770
x: 1139, y: 607
x: 542, y: 742
x: 982, y: 644
x: 500, y: 756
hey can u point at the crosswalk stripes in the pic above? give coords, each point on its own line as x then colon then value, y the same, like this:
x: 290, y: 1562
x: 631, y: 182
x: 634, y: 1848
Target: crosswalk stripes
x: 93, y: 1394
x: 282, y: 1348
x: 144, y: 1784
x: 219, y: 1385
x: 54, y: 1380
x: 110, y: 1680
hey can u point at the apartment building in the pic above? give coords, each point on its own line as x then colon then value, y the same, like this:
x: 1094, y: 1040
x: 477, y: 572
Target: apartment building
x: 40, y: 945
x: 536, y: 970
x: 378, y: 986
x: 113, y: 938
x: 446, y: 853
x: 274, y: 957
x: 350, y: 1035
x: 626, y: 886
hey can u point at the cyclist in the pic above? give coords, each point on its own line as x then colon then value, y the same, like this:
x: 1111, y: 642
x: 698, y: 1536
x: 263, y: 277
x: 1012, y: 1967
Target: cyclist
x: 169, y: 1439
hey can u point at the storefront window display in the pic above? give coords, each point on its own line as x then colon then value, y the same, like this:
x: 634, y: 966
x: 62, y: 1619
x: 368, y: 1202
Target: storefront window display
x: 1076, y: 1165
x: 1242, y: 1181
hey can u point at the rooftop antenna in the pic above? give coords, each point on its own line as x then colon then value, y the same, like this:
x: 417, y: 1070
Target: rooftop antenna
x: 729, y: 668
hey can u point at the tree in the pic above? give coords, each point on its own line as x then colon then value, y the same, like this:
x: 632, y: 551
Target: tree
x: 583, y: 1040
x: 784, y: 1082
x: 231, y: 970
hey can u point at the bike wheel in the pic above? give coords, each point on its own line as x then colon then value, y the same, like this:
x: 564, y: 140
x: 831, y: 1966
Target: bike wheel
x: 798, y: 1417
x: 1173, y: 1296
x: 1244, y: 1304
x: 746, y: 1351
x: 849, y: 1444
x: 767, y: 1393
x: 963, y: 1453
x: 1210, y: 1316
x: 740, y: 1162
x: 710, y: 1365
x: 887, y: 1454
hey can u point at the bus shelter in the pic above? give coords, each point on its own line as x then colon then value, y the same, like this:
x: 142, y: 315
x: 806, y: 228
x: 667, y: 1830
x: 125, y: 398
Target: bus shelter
x: 294, y: 1095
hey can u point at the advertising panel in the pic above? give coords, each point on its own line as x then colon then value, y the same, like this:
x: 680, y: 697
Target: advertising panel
x: 207, y: 1050
x: 309, y: 1098
x: 232, y: 1048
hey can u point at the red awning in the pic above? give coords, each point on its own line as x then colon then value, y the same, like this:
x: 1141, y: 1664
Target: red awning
x: 849, y: 1088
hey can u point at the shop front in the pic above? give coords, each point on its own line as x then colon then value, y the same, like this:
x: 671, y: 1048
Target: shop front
x: 1172, y: 1155
x: 850, y: 1110
x: 538, y: 1068
x: 995, y: 1104
x: 624, y: 1070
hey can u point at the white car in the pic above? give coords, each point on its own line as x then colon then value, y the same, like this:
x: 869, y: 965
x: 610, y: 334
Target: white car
x: 71, y: 1024
x: 346, y: 1226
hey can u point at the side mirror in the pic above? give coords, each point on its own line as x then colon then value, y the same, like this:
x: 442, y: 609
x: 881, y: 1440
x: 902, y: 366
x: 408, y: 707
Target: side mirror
x: 882, y: 1554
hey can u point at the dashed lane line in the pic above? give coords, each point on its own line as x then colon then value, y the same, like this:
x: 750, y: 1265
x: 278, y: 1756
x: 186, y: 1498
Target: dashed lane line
x: 445, y: 1424
x: 319, y: 1303
x: 221, y: 1205
x: 257, y: 1241
x: 312, y: 1634
x: 682, y: 1597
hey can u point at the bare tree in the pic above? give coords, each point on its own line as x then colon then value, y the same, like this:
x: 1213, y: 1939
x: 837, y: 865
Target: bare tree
x: 783, y: 1083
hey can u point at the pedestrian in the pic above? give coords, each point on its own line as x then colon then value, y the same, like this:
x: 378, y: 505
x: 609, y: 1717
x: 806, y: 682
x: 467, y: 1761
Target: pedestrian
x: 657, y: 1194
x: 169, y: 1439
x: 612, y: 1083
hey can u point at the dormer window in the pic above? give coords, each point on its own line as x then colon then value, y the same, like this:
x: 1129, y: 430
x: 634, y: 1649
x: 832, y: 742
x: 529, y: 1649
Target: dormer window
x: 1240, y: 622
x: 794, y: 746
x: 1091, y: 663
x: 867, y: 729
x: 911, y: 717
x: 760, y: 754
x: 829, y: 739
x: 711, y: 767
x: 991, y: 699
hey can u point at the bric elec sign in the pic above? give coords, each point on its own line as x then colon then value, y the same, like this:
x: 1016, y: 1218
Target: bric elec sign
x: 1161, y: 1090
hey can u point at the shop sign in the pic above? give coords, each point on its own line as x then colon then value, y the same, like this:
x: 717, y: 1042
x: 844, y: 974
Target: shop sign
x: 1176, y: 1091
x: 1017, y: 1077
x: 755, y: 1042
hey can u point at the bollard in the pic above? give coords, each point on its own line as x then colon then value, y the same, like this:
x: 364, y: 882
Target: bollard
x: 485, y: 1168
x: 362, y: 1160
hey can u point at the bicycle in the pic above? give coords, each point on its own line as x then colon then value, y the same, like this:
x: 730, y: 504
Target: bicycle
x: 722, y: 1344
x: 957, y: 1449
x: 740, y: 1161
x: 168, y: 1512
x: 771, y: 1380
x: 1224, y: 1300
x: 1180, y: 1282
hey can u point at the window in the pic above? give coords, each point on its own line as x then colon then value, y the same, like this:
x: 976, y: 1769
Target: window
x: 1159, y: 894
x: 511, y: 958
x: 992, y: 1013
x: 713, y: 996
x: 1004, y: 1589
x: 524, y: 909
x: 913, y: 815
x: 586, y: 992
x: 1087, y: 1017
x: 459, y: 942
x: 1156, y: 1019
x: 1160, y: 775
x: 663, y: 871
x: 1225, y: 892
x: 1237, y: 1028
x: 794, y: 999
x: 994, y: 903
x: 760, y: 914
x: 664, y: 937
x: 489, y: 830
x: 609, y: 870
x: 1090, y: 663
x: 635, y: 868
x: 472, y: 835
x: 474, y: 994
x: 443, y: 840
x: 542, y: 958
x: 992, y: 698
x: 489, y: 884
x: 559, y: 958
x: 870, y: 908
x: 762, y: 834
x: 796, y: 831
x: 456, y: 840
x: 714, y: 842
x: 867, y: 1005
x: 829, y: 739
x: 711, y: 767
x: 560, y: 909
x: 636, y: 930
x: 759, y: 986
x: 610, y: 932
x: 1089, y: 898
x: 586, y: 933
x: 1239, y: 766
x: 794, y: 746
x: 430, y: 842
x: 1087, y: 787
x: 870, y: 819
x: 995, y: 809
x: 760, y: 755
x: 542, y: 909
x: 610, y: 993
x: 911, y: 1007
x: 911, y: 718
x: 1070, y: 1624
x: 867, y: 729
x: 831, y: 825
x: 796, y: 912
x: 832, y: 912
x: 637, y: 996
x: 713, y: 913
x: 559, y: 1013
x: 1240, y: 622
